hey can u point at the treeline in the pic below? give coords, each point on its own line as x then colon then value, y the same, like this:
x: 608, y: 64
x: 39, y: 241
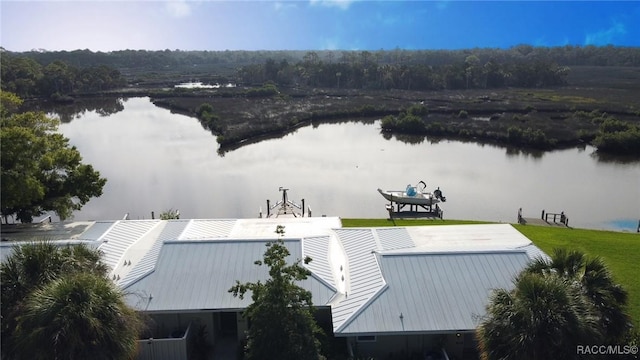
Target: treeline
x: 568, y: 55
x: 363, y: 71
x: 356, y: 68
x: 26, y: 77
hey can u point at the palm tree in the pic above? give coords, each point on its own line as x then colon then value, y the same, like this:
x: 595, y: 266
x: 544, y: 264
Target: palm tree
x: 79, y: 316
x: 556, y: 304
x: 31, y: 281
x: 597, y: 283
x: 543, y: 317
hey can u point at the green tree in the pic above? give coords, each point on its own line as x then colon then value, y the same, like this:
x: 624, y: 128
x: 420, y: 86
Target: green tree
x: 556, y: 304
x: 40, y: 171
x: 81, y: 316
x: 170, y: 214
x: 281, y: 315
x: 596, y: 283
x: 543, y: 317
x: 57, y: 303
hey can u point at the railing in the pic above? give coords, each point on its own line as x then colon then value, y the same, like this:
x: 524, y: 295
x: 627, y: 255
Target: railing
x: 165, y: 348
x: 563, y: 219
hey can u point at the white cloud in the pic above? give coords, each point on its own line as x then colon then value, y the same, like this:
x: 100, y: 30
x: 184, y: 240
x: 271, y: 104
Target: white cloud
x: 341, y: 4
x: 178, y: 8
x: 279, y: 5
x: 606, y: 36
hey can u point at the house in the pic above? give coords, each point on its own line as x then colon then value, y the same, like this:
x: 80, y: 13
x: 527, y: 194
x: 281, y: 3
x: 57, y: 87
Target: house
x: 384, y: 291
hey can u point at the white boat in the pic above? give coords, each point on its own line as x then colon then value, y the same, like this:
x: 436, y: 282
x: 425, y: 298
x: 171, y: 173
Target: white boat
x: 414, y: 195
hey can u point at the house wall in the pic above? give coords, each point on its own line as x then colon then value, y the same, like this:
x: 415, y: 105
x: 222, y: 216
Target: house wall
x: 395, y: 346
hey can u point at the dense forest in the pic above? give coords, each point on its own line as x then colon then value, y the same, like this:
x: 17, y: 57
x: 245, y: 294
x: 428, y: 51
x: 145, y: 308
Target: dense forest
x: 26, y: 77
x: 43, y: 72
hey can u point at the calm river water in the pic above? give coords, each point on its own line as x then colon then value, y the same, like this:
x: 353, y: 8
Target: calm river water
x: 155, y: 160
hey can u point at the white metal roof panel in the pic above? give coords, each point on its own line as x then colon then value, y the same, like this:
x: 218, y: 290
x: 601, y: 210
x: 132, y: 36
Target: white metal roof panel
x: 122, y: 235
x: 364, y: 275
x: 482, y: 237
x: 317, y: 248
x: 394, y: 238
x: 294, y: 227
x: 435, y: 292
x: 207, y: 229
x: 196, y: 275
x: 95, y: 231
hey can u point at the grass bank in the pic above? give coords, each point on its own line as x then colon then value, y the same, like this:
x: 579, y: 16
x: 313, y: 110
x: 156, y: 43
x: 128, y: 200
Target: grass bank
x: 619, y: 250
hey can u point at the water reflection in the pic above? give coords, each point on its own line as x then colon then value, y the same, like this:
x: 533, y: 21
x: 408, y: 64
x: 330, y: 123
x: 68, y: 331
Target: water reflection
x: 103, y: 106
x: 155, y: 160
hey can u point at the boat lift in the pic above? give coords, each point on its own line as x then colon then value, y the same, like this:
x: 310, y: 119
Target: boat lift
x: 285, y: 207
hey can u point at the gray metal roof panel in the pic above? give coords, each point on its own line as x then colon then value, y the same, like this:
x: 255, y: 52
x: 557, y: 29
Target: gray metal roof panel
x: 195, y: 275
x: 534, y: 252
x: 435, y: 292
x: 171, y: 231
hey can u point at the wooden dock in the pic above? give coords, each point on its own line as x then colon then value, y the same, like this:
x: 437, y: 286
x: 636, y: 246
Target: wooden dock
x: 546, y: 219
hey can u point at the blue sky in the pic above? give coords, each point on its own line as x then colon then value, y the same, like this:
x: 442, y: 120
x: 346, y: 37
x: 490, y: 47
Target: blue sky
x: 313, y: 24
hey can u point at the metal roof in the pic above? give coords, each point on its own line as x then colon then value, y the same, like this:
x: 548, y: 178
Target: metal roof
x: 121, y: 236
x: 394, y: 238
x: 466, y: 237
x: 435, y: 292
x: 363, y: 273
x: 207, y: 229
x: 317, y: 248
x: 438, y: 277
x: 45, y: 231
x: 144, y: 266
x: 196, y: 275
x: 95, y: 231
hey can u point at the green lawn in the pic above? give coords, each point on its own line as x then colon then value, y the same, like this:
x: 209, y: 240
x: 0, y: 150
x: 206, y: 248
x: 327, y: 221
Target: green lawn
x: 620, y: 250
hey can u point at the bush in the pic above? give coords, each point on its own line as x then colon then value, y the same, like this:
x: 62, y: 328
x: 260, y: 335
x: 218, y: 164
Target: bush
x: 619, y: 142
x: 463, y: 114
x: 204, y: 108
x: 265, y: 91
x: 388, y: 123
x: 417, y: 110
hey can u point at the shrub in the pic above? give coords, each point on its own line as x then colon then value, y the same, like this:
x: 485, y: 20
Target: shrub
x: 417, y: 110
